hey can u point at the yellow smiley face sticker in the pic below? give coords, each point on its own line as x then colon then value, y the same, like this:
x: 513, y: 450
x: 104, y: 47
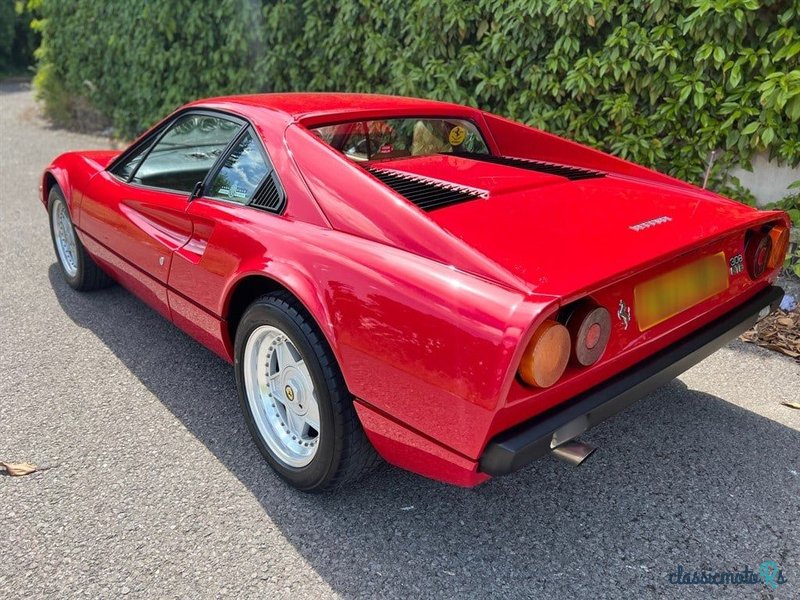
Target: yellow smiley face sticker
x: 457, y: 135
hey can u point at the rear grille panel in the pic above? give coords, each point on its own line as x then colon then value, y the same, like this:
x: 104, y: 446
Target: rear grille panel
x: 573, y: 173
x: 425, y: 193
x: 269, y: 195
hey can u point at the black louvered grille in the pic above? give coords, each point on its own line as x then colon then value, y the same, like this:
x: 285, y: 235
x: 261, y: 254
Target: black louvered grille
x: 268, y: 196
x: 573, y: 173
x: 425, y: 193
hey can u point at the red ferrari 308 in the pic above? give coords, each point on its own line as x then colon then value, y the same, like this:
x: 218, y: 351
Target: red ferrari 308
x: 425, y: 282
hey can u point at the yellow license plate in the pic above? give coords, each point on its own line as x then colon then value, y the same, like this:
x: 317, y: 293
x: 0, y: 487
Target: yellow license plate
x: 664, y: 296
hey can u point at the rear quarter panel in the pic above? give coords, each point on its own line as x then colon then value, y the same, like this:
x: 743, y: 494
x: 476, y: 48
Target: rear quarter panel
x: 422, y: 342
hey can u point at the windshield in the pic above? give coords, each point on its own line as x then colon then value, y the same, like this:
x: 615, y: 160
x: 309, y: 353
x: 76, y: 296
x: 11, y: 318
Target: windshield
x: 397, y: 138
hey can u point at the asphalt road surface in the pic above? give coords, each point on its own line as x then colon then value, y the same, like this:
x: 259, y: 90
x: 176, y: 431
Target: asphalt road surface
x: 154, y: 489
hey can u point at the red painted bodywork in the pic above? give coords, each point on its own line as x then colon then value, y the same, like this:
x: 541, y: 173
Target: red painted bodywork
x: 426, y: 313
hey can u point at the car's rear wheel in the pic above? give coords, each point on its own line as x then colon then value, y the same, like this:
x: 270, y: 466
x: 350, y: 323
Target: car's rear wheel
x: 78, y: 268
x: 294, y: 399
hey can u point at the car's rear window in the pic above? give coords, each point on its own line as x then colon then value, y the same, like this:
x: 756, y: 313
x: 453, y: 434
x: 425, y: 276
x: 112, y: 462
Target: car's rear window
x: 382, y: 139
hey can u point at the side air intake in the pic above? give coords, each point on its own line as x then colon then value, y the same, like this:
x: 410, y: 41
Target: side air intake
x: 573, y: 173
x: 426, y: 194
x: 268, y: 195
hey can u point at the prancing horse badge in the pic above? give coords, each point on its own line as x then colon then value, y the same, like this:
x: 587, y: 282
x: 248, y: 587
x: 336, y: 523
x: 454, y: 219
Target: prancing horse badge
x: 624, y: 313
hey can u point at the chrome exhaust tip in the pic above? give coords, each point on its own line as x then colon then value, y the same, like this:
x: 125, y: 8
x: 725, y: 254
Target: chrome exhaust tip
x: 573, y: 452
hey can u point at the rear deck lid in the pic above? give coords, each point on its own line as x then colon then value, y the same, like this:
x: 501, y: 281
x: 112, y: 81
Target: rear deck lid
x: 563, y: 235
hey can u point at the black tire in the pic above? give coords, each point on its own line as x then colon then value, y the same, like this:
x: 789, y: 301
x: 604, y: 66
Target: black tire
x: 87, y: 275
x: 344, y: 454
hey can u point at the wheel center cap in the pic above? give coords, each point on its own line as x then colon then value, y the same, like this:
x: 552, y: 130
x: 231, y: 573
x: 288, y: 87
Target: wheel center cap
x: 295, y: 397
x: 290, y: 396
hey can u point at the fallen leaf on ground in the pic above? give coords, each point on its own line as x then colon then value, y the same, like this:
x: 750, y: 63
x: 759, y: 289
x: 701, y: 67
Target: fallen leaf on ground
x: 792, y: 404
x: 780, y: 331
x: 18, y: 469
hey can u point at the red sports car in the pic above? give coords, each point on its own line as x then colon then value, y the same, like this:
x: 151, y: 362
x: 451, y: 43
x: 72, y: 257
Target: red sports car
x: 426, y: 282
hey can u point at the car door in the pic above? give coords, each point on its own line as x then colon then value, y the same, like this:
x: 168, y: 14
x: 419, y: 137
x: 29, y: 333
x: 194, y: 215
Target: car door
x: 239, y: 193
x: 137, y: 209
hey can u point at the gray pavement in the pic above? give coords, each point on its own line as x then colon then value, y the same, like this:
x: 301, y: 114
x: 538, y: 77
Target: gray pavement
x: 156, y: 491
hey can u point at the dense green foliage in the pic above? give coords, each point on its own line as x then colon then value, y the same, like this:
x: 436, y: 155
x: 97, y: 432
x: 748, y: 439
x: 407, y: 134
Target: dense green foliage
x: 791, y: 204
x: 136, y: 60
x: 17, y: 39
x: 7, y: 18
x: 661, y: 82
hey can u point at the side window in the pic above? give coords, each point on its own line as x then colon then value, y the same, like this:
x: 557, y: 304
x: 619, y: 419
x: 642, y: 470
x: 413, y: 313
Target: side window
x: 241, y: 172
x: 186, y: 152
x: 125, y: 169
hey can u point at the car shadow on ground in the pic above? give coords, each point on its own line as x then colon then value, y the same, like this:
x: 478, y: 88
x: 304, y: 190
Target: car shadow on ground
x: 678, y: 463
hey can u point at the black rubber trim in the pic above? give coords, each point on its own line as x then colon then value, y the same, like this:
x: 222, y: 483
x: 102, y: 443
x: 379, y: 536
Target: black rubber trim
x: 520, y: 445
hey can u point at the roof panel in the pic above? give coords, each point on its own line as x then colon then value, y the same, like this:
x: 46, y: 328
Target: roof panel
x: 301, y: 106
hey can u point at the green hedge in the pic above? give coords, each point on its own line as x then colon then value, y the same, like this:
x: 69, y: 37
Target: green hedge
x: 17, y: 39
x: 136, y: 60
x: 659, y: 82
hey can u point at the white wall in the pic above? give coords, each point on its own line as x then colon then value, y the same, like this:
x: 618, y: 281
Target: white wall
x: 769, y: 181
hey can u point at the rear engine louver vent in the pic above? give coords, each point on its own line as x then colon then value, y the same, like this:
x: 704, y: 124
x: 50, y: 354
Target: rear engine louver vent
x: 425, y: 193
x: 268, y: 196
x: 573, y: 173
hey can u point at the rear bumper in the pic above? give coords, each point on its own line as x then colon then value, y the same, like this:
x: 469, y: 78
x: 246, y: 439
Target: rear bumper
x: 516, y: 447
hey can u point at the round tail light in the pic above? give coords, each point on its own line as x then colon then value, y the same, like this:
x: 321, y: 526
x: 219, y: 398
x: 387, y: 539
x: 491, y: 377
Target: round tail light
x: 780, y: 245
x: 589, y: 328
x: 546, y: 355
x: 757, y: 253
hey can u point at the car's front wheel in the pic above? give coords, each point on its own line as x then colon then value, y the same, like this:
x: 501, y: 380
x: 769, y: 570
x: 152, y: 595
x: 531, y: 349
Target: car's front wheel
x: 294, y: 399
x: 78, y: 268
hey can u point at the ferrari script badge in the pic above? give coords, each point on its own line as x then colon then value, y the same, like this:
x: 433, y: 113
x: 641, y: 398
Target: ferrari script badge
x: 624, y: 313
x: 651, y: 223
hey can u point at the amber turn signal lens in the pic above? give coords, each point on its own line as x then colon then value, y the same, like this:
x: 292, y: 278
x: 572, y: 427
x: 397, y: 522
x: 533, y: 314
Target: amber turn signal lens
x: 757, y: 253
x: 589, y: 328
x: 546, y: 356
x: 780, y: 245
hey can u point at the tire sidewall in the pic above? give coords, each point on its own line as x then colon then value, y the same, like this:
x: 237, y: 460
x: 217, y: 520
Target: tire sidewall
x: 53, y: 198
x: 323, y: 466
